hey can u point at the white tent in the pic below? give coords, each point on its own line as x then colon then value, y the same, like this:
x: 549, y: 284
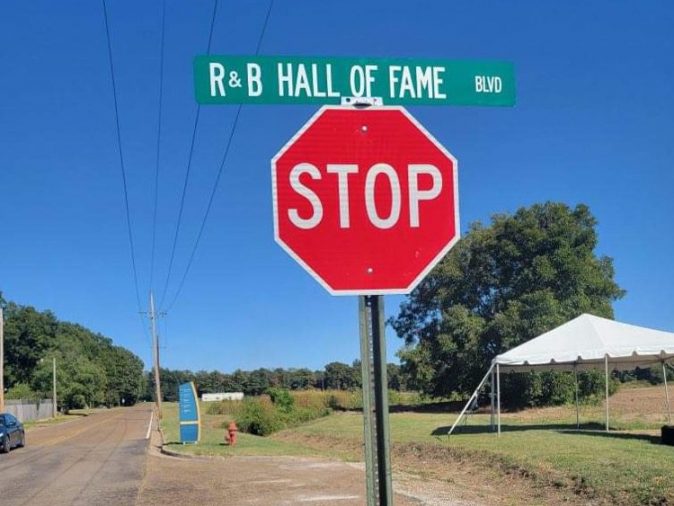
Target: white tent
x: 585, y: 342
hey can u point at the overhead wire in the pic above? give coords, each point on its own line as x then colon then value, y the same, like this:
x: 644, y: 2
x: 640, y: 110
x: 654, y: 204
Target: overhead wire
x: 220, y: 170
x: 187, y: 174
x: 156, y: 171
x: 129, y: 228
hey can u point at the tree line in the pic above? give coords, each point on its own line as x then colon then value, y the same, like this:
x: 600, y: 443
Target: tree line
x: 334, y: 376
x: 90, y: 369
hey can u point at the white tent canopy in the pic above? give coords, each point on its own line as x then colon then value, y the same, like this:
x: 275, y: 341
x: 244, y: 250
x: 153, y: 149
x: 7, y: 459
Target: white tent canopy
x: 586, y: 342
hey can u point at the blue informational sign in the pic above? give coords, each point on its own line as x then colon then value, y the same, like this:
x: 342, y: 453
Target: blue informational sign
x: 190, y: 418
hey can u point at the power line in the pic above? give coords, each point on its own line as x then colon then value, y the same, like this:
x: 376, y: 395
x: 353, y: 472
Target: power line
x: 121, y: 164
x: 220, y: 170
x: 156, y: 171
x: 187, y: 173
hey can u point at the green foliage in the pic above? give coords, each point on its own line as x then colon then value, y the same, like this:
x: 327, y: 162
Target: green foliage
x: 22, y: 391
x: 340, y: 376
x: 90, y: 370
x: 532, y: 389
x: 224, y: 408
x: 259, y: 418
x: 499, y: 287
x: 335, y: 376
x: 29, y: 335
x: 264, y: 415
x: 282, y: 399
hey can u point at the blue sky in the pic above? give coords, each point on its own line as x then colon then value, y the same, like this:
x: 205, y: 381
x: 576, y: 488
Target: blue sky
x: 594, y: 124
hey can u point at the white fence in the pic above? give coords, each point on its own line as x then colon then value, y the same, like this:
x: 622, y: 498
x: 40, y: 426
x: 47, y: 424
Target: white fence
x: 222, y: 396
x: 29, y: 410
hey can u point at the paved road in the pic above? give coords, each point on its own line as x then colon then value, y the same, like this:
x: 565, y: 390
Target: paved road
x: 97, y: 460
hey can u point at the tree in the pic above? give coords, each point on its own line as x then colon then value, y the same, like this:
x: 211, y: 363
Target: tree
x: 299, y: 379
x: 257, y: 382
x: 500, y: 286
x: 340, y: 376
x: 396, y: 381
x: 28, y: 335
x: 124, y: 372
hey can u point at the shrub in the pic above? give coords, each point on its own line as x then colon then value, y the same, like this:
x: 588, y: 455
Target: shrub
x: 224, y: 407
x: 259, y: 417
x: 281, y: 399
x: 535, y: 389
x: 280, y: 409
x: 22, y: 391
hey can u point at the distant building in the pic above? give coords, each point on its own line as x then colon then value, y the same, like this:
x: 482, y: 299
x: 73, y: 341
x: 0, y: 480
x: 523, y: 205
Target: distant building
x: 223, y: 396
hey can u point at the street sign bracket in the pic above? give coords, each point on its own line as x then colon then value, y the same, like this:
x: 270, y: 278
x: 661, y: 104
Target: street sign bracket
x: 362, y: 101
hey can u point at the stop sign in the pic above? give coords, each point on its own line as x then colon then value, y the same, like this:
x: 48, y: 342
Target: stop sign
x: 366, y: 200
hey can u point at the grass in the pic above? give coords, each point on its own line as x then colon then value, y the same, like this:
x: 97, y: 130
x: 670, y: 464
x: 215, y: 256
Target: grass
x: 626, y: 466
x: 213, y: 442
x: 622, y: 467
x: 60, y: 418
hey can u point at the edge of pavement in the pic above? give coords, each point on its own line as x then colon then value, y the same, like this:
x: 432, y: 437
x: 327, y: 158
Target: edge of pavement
x: 161, y: 446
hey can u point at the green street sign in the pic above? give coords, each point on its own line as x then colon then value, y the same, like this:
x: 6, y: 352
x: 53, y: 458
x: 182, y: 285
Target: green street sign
x: 307, y: 80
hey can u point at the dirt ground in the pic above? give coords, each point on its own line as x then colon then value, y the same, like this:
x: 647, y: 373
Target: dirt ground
x: 631, y: 403
x: 272, y: 481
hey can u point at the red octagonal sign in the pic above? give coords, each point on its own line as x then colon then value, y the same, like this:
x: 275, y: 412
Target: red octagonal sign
x: 366, y: 200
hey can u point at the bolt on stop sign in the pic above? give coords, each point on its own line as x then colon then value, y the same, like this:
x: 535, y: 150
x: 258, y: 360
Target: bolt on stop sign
x: 366, y: 200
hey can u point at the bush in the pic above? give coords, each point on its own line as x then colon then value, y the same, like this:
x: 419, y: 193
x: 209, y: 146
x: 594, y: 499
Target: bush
x: 259, y: 417
x: 224, y: 407
x: 278, y: 410
x: 281, y: 399
x: 23, y: 392
x: 345, y: 400
x: 536, y: 389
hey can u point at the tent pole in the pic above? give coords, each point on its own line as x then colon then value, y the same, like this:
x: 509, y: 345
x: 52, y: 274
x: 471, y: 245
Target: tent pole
x: 492, y: 394
x: 498, y: 398
x: 575, y: 373
x: 606, y: 381
x: 664, y: 375
x: 456, y: 422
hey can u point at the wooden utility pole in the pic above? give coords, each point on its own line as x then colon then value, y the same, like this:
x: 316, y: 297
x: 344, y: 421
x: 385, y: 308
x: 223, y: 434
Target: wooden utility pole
x: 155, y: 350
x: 2, y: 358
x: 53, y: 378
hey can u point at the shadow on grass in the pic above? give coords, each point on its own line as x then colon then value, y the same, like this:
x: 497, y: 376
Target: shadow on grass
x: 485, y: 429
x: 76, y: 413
x: 429, y: 407
x: 617, y: 435
x: 586, y: 429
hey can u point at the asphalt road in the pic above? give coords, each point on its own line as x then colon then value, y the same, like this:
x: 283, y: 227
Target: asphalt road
x: 97, y: 460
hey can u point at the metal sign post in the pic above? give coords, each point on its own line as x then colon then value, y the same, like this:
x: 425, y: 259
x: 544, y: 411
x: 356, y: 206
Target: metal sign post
x: 375, y: 401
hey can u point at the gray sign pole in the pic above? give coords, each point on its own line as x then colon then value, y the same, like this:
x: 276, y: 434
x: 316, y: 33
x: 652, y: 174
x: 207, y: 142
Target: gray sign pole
x: 375, y: 401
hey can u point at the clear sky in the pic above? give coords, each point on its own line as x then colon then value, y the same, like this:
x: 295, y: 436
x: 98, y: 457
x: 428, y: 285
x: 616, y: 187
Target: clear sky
x: 594, y: 124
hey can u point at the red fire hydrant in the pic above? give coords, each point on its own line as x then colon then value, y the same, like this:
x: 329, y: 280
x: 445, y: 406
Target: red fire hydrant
x: 232, y: 430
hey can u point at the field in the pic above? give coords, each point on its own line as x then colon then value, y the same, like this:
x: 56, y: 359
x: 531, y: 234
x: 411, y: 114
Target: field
x: 540, y: 455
